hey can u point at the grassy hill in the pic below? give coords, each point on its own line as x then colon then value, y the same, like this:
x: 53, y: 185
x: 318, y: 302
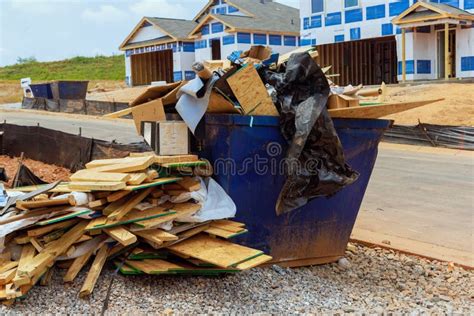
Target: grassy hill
x: 77, y: 68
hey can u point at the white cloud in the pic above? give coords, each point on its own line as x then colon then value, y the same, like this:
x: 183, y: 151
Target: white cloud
x: 167, y: 8
x: 105, y: 13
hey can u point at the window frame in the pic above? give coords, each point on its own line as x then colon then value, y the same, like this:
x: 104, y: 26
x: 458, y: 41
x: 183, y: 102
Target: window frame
x: 323, y: 10
x: 358, y: 5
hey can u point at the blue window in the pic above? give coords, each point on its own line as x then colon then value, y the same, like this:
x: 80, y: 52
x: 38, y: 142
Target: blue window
x: 313, y: 42
x: 375, y: 12
x: 317, y: 6
x: 354, y: 15
x: 232, y: 9
x: 399, y: 30
x: 305, y: 42
x: 189, y: 75
x: 387, y: 29
x: 217, y: 27
x: 423, y: 66
x: 274, y: 39
x: 395, y: 8
x: 221, y: 10
x: 200, y: 44
x: 454, y: 3
x: 177, y: 76
x: 305, y: 23
x: 351, y: 3
x: 467, y: 63
x: 260, y: 39
x: 468, y: 4
x: 316, y: 21
x: 228, y: 39
x: 333, y: 18
x: 289, y: 40
x: 339, y: 38
x: 188, y: 47
x: 355, y: 33
x: 410, y: 64
x: 205, y: 29
x: 243, y: 38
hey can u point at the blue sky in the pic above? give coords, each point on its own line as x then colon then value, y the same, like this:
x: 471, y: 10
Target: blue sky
x: 59, y: 29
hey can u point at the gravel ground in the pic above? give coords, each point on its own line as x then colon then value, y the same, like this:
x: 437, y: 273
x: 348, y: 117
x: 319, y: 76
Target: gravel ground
x: 367, y: 280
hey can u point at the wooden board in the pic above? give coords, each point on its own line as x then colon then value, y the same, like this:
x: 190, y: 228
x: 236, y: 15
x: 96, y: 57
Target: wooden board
x: 136, y: 178
x: 214, y: 231
x: 128, y: 164
x: 377, y: 111
x: 113, y: 161
x: 180, y: 210
x: 96, y: 186
x: 152, y: 111
x: 129, y: 205
x: 64, y: 217
x: 252, y: 95
x: 252, y: 263
x: 216, y: 251
x: 94, y: 271
x: 219, y: 104
x: 173, y: 138
x: 153, y: 266
x: 118, y: 113
x: 44, y: 230
x: 121, y: 235
x: 155, y: 183
x: 154, y: 92
x: 93, y: 176
x: 133, y: 217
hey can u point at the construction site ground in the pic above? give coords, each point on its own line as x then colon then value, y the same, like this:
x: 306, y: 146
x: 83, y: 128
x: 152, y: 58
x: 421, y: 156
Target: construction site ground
x: 367, y: 281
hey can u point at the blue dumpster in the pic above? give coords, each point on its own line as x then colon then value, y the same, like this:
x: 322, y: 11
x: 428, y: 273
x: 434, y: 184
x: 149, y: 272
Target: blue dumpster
x: 247, y: 153
x: 69, y: 89
x: 41, y: 90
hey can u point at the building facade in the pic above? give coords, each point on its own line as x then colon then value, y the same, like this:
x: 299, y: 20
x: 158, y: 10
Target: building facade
x: 160, y: 49
x: 423, y: 51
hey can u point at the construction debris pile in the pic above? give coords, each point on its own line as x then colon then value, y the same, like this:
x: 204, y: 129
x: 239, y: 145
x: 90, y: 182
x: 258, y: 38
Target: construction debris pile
x: 146, y: 213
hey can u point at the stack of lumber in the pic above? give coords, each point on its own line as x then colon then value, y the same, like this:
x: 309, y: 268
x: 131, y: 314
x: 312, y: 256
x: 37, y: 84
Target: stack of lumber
x: 127, y: 219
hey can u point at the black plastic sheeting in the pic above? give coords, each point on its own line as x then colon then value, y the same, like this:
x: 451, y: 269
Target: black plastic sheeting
x: 320, y: 168
x: 59, y: 148
x: 456, y: 137
x: 26, y: 177
x: 87, y: 107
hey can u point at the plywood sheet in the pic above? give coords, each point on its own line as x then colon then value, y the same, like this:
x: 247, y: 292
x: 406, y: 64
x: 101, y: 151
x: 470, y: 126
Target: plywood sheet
x: 152, y: 111
x: 216, y: 251
x: 252, y: 95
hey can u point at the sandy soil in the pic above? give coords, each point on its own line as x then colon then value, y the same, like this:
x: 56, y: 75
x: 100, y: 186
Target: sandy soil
x: 456, y: 109
x: 10, y: 91
x: 48, y: 173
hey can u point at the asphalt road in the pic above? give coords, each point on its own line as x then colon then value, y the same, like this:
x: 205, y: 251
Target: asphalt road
x: 417, y: 199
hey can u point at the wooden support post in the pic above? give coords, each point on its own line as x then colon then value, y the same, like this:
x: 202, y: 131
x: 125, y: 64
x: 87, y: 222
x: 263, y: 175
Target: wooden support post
x: 446, y: 52
x: 404, y: 56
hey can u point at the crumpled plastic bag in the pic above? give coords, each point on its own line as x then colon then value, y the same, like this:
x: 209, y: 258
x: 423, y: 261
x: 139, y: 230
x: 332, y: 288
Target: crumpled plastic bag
x: 315, y: 160
x: 215, y: 203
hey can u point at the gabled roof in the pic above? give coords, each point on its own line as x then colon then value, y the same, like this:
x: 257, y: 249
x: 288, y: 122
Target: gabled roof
x: 268, y: 16
x: 424, y: 11
x: 175, y: 30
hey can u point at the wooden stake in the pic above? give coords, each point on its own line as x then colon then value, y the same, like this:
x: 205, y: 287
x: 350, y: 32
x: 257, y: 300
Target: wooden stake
x: 94, y: 272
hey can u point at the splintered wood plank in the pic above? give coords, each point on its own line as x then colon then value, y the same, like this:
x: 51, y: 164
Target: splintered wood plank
x: 156, y: 235
x: 94, y: 272
x: 376, y: 111
x: 252, y: 263
x: 154, y: 183
x: 96, y: 222
x: 46, y: 203
x: 121, y: 235
x: 76, y: 266
x: 96, y: 186
x: 228, y: 227
x: 114, y: 161
x: 153, y: 266
x: 223, y: 233
x: 175, y: 159
x: 228, y: 222
x: 180, y: 210
x: 251, y: 93
x: 36, y: 232
x: 129, y: 205
x: 137, y: 164
x: 36, y: 244
x: 93, y: 176
x: 117, y: 196
x: 133, y: 217
x: 64, y: 217
x: 7, y: 276
x: 27, y: 253
x: 189, y: 184
x: 136, y: 178
x: 216, y: 251
x: 97, y: 203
